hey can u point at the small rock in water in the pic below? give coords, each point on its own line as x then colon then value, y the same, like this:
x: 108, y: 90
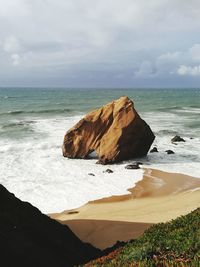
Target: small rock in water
x: 102, y: 162
x: 154, y: 149
x: 134, y: 166
x: 170, y: 151
x: 177, y: 138
x: 108, y: 171
x: 92, y: 174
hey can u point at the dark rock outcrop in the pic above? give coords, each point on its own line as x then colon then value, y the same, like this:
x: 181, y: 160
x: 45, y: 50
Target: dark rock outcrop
x: 134, y: 166
x: 154, y: 149
x: 170, y: 151
x: 91, y: 174
x: 115, y: 132
x: 177, y: 138
x: 29, y: 238
x: 108, y: 171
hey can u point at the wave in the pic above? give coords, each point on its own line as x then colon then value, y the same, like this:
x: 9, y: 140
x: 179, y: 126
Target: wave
x: 53, y: 111
x: 193, y: 124
x: 166, y: 132
x: 194, y: 106
x: 18, y: 124
x: 176, y: 109
x: 9, y: 97
x: 15, y: 112
x: 169, y: 108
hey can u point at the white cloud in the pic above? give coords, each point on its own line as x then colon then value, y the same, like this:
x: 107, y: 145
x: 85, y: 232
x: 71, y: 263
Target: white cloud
x: 145, y: 69
x: 188, y: 70
x: 98, y: 36
x: 11, y: 44
x: 180, y: 62
x: 195, y: 52
x: 167, y: 63
x: 15, y: 59
x: 169, y: 57
x: 13, y: 8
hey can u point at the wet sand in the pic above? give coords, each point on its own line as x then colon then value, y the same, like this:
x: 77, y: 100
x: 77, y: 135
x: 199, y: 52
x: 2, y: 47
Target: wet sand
x: 103, y: 234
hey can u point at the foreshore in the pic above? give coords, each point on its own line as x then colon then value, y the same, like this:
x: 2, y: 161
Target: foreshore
x: 158, y: 197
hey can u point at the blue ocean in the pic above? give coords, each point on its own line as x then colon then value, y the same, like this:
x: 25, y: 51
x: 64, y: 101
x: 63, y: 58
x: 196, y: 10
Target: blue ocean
x: 33, y: 122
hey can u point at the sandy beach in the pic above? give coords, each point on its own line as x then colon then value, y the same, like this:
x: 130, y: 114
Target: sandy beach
x: 158, y: 197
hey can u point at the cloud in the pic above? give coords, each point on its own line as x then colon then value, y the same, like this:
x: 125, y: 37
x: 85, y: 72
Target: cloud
x: 188, y: 70
x: 145, y: 70
x: 112, y: 38
x: 180, y: 62
x: 195, y: 52
x: 15, y: 58
x: 13, y: 8
x: 166, y: 64
x: 169, y: 57
x: 11, y: 44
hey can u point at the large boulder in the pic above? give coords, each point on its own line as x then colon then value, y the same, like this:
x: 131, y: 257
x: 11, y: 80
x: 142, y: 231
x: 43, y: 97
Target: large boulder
x: 115, y: 132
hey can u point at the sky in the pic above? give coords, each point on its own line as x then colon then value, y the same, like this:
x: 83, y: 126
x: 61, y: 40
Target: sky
x: 100, y: 43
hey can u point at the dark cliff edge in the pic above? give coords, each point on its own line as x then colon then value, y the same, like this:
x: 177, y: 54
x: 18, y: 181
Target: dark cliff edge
x: 30, y: 238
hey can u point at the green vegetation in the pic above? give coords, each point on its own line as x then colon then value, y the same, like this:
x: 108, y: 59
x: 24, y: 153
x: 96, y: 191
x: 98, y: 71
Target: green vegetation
x: 172, y: 244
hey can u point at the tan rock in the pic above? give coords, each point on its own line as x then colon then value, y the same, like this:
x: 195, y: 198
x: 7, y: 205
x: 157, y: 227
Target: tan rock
x: 115, y: 131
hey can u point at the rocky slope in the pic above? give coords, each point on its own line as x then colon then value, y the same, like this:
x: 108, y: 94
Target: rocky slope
x: 30, y: 238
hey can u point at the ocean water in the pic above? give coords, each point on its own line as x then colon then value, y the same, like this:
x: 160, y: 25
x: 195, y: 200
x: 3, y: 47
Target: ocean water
x: 33, y: 122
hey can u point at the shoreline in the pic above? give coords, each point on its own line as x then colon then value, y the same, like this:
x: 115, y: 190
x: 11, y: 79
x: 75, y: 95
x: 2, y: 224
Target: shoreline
x: 158, y: 197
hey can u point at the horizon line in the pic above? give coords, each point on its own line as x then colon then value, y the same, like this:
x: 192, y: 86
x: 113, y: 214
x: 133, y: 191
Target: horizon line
x: 96, y: 87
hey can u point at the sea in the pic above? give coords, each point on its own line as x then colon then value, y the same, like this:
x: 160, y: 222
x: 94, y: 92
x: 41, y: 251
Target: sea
x: 33, y: 122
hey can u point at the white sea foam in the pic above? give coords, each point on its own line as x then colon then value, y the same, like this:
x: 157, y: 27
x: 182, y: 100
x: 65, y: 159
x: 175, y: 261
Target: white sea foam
x: 190, y: 110
x: 186, y: 159
x: 194, y: 190
x: 34, y: 169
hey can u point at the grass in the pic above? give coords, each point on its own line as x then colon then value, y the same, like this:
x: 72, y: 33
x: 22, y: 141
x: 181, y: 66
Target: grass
x: 173, y: 244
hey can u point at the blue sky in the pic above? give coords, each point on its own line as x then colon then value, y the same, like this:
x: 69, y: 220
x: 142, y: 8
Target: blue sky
x: 100, y: 43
